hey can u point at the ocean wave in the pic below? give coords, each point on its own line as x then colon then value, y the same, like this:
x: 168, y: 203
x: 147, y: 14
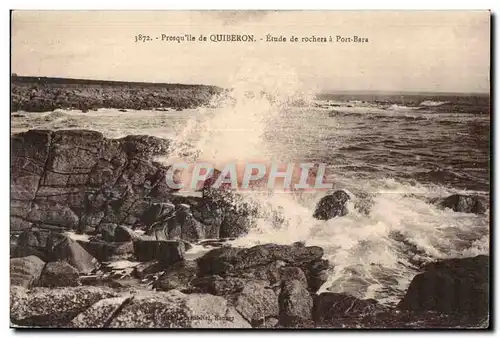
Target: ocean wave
x: 430, y: 103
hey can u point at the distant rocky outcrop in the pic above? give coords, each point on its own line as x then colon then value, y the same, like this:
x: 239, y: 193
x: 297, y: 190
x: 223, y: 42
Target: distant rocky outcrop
x: 41, y: 94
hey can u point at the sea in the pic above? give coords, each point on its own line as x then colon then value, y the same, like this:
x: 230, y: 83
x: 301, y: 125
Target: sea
x: 395, y: 154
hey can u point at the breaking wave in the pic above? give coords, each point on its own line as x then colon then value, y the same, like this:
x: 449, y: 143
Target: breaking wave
x: 392, y: 227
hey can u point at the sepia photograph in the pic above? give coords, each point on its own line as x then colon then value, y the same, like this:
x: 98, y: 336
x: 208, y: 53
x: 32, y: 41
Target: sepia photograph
x: 250, y: 169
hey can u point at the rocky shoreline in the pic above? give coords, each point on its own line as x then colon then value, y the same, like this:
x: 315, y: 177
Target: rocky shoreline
x: 99, y: 240
x: 41, y: 94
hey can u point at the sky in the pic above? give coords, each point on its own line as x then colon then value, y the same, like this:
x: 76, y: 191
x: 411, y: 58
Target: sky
x: 424, y: 51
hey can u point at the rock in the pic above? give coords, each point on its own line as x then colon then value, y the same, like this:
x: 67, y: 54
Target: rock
x: 77, y: 179
x: 226, y: 259
x: 218, y: 285
x: 266, y: 253
x: 100, y: 314
x: 125, y: 234
x: 270, y: 272
x: 184, y: 226
x: 29, y: 152
x: 316, y: 273
x: 235, y: 216
x: 25, y: 271
x: 177, y: 276
x: 166, y: 252
x: 107, y: 231
x: 53, y: 213
x: 148, y: 268
x: 458, y: 285
x: 18, y: 224
x: 108, y: 251
x: 49, y: 307
x: 155, y: 218
x: 58, y: 274
x: 329, y: 306
x: 70, y: 251
x: 295, y: 304
x: 38, y: 242
x: 218, y: 261
x: 174, y: 309
x: 257, y: 301
x: 267, y: 323
x: 333, y: 205
x: 465, y: 203
x: 291, y: 273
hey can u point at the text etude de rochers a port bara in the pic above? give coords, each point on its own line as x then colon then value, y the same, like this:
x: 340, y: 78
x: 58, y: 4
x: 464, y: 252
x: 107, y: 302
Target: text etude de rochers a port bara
x: 250, y: 38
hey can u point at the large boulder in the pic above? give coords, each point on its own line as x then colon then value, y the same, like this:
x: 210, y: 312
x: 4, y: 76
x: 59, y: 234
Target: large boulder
x: 145, y: 269
x: 178, y: 276
x: 226, y: 259
x: 333, y: 307
x: 257, y: 301
x: 459, y: 285
x: 25, y: 271
x: 234, y: 217
x: 108, y: 251
x: 465, y: 203
x: 58, y: 274
x: 125, y: 234
x: 218, y: 285
x: 295, y: 303
x: 334, y: 205
x: 174, y: 309
x: 166, y: 252
x: 316, y: 273
x: 71, y: 252
x: 78, y: 179
x: 53, y: 307
x: 184, y: 226
x: 37, y: 242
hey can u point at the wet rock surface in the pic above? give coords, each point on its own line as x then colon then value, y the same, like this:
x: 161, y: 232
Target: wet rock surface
x: 465, y: 203
x: 451, y: 286
x: 331, y: 206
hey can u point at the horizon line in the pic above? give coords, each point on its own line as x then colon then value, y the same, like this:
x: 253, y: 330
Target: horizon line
x: 322, y: 92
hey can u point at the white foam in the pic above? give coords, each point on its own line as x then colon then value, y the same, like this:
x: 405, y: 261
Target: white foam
x: 77, y: 237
